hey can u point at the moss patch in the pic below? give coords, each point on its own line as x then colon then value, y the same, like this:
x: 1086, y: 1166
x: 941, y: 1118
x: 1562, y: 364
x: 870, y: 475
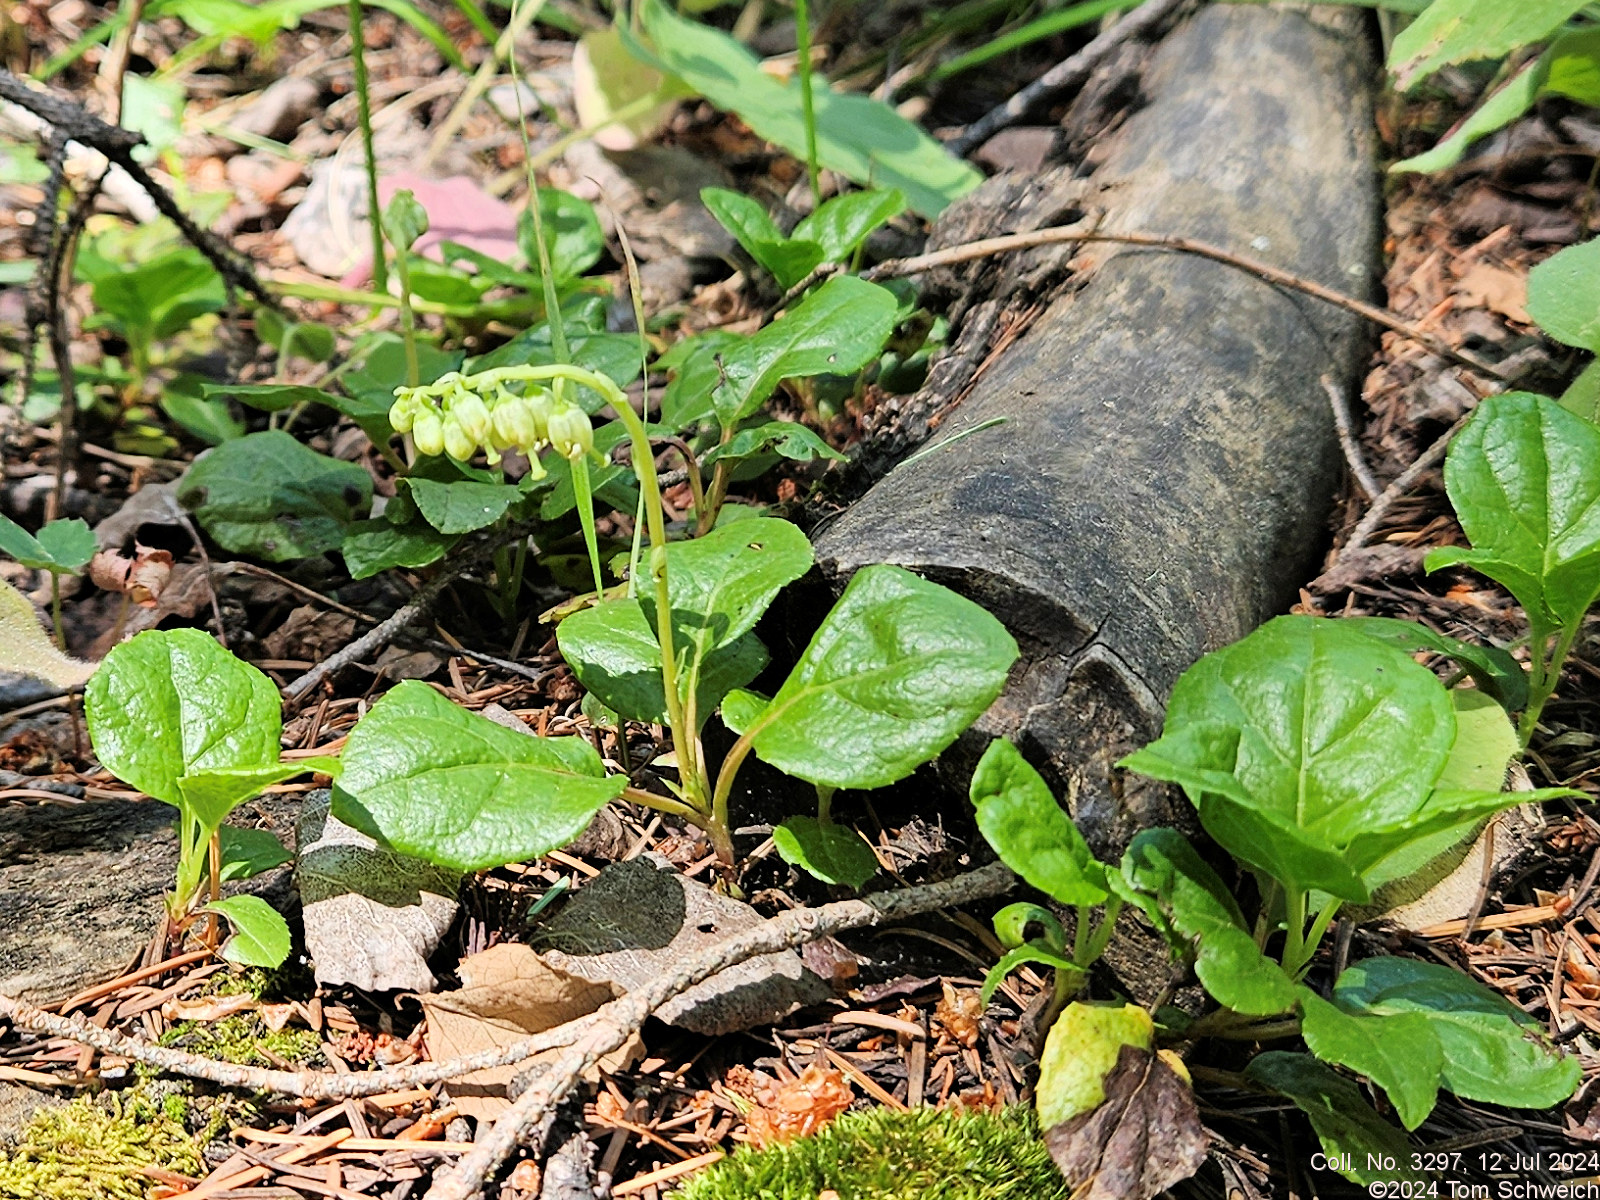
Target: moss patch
x: 243, y: 1039
x: 96, y: 1148
x: 887, y: 1155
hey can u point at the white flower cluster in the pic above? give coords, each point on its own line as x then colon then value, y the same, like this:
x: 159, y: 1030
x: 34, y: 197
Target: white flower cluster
x: 447, y: 417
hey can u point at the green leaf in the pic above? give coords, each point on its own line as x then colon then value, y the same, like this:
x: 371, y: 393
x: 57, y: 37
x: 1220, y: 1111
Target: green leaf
x: 696, y: 367
x: 1354, y: 1137
x: 270, y: 397
x: 208, y: 420
x: 167, y: 704
x: 452, y: 787
x: 836, y: 329
x: 1027, y: 954
x: 373, y: 546
x: 833, y: 853
x: 1574, y: 70
x: 1564, y: 297
x: 1196, y: 911
x: 718, y: 585
x: 1029, y: 831
x: 1397, y: 1051
x: 1493, y: 1051
x: 383, y: 368
x: 210, y: 795
x: 789, y: 261
x: 1582, y: 397
x: 1405, y: 863
x: 260, y: 934
x: 897, y: 670
x: 1524, y: 477
x: 861, y: 138
x: 741, y: 709
x: 608, y: 80
x: 1494, y: 670
x: 572, y: 234
x: 1455, y: 31
x: 1083, y: 1046
x: 462, y: 505
x: 63, y: 546
x: 158, y: 298
x: 247, y: 853
x: 1513, y: 98
x: 787, y: 438
x: 1298, y: 739
x: 269, y: 496
x: 404, y: 220
x: 843, y: 223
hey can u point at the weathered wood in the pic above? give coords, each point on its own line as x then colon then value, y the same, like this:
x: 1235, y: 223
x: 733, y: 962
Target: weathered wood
x: 1161, y: 482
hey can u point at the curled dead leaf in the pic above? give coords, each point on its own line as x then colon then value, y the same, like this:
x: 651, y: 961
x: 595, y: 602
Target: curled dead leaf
x: 141, y: 576
x: 1143, y: 1138
x: 959, y: 1011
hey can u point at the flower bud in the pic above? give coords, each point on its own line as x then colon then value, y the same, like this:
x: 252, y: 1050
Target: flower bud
x: 514, y: 424
x: 458, y: 443
x: 428, y: 432
x: 402, y: 413
x: 570, y: 432
x: 472, y: 415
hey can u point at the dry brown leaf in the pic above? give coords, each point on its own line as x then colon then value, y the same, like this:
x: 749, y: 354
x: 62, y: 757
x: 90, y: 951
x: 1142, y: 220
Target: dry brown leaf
x: 208, y: 1008
x: 1495, y: 288
x: 1145, y: 1136
x: 507, y: 992
x: 798, y: 1108
x: 141, y: 576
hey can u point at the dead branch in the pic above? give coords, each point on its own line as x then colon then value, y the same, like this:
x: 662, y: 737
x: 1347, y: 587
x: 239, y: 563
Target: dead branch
x: 782, y: 932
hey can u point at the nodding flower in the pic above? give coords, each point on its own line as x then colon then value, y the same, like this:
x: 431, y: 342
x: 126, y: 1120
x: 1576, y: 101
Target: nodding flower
x: 570, y: 432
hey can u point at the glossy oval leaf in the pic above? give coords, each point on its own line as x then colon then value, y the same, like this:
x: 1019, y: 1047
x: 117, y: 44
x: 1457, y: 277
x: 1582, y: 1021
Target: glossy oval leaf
x: 267, y: 495
x: 452, y: 787
x: 718, y: 585
x: 1524, y: 477
x: 1494, y: 670
x: 1564, y: 295
x: 1030, y: 832
x: 1298, y: 739
x: 843, y: 223
x: 1493, y: 1051
x: 260, y: 934
x: 838, y: 328
x: 897, y: 670
x: 462, y: 505
x: 167, y: 704
x: 831, y: 852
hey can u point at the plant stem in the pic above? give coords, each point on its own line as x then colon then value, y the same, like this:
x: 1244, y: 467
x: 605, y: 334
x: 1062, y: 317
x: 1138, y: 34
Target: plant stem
x: 358, y: 60
x: 55, y: 610
x: 1294, y: 923
x: 408, y: 321
x: 802, y: 19
x: 824, y: 804
x: 690, y: 771
x: 1545, y: 675
x: 1319, y: 926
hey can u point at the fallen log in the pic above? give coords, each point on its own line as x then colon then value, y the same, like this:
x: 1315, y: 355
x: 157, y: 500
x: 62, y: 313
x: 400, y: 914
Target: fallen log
x: 1150, y: 466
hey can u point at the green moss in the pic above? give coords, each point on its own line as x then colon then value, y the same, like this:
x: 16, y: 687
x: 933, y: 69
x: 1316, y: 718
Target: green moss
x: 243, y: 1039
x: 888, y: 1155
x: 95, y: 1148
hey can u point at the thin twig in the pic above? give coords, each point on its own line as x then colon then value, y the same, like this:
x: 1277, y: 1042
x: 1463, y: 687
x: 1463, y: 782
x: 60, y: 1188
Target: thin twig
x: 622, y: 1018
x: 1347, y: 439
x: 781, y: 932
x: 1051, y: 235
x: 1071, y: 72
x: 1401, y: 485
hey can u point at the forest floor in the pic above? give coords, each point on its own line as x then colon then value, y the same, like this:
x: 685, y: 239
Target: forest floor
x: 904, y: 1026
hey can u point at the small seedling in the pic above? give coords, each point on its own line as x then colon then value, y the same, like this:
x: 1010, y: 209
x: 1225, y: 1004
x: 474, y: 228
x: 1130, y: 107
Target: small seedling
x: 62, y: 547
x: 175, y: 715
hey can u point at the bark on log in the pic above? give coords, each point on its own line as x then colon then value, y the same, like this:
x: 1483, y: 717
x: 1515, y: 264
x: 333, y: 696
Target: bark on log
x: 1161, y: 482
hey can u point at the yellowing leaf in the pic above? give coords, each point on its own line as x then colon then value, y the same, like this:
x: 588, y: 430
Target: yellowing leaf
x: 1081, y: 1051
